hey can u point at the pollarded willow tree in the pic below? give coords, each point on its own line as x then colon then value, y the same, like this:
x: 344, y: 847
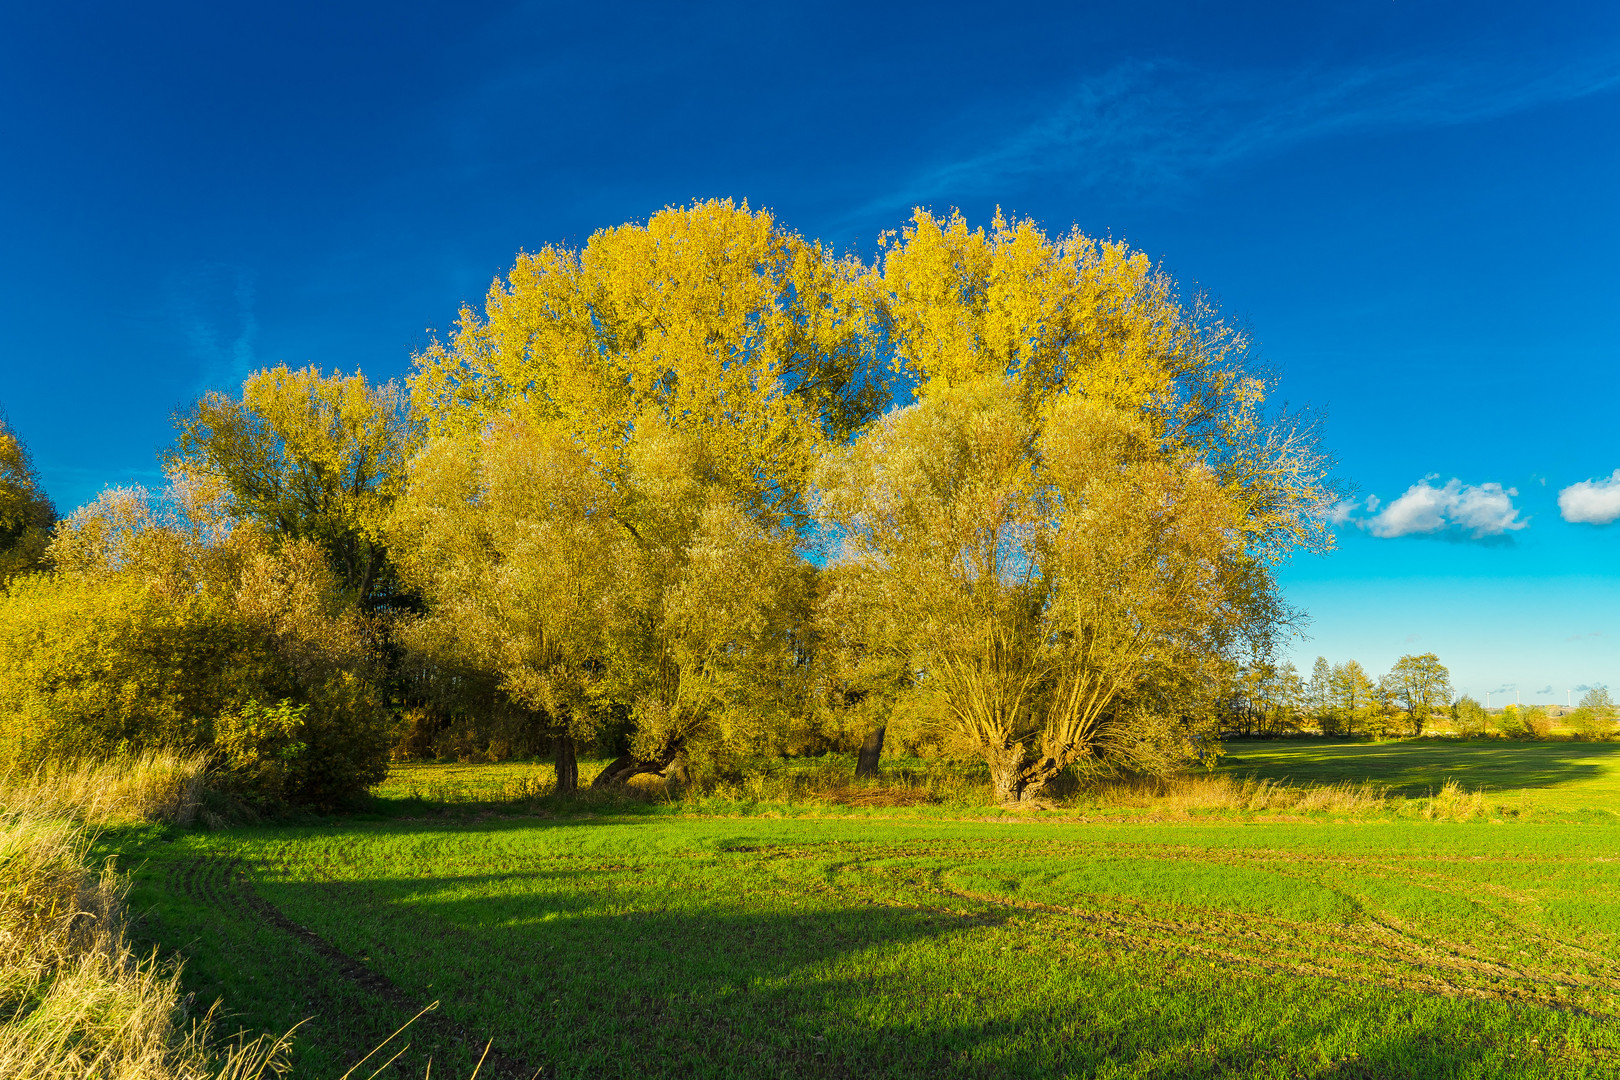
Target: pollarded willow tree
x: 509, y: 535
x: 1071, y: 533
x: 697, y: 366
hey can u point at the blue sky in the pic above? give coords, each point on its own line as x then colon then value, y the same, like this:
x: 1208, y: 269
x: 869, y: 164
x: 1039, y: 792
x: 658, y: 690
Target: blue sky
x: 1412, y: 205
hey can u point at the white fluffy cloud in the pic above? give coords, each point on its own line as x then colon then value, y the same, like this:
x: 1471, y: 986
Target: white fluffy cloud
x: 1591, y: 502
x: 1479, y: 511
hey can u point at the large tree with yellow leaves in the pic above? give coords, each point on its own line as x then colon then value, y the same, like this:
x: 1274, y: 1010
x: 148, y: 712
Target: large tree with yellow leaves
x: 308, y: 456
x: 1070, y: 535
x: 696, y: 367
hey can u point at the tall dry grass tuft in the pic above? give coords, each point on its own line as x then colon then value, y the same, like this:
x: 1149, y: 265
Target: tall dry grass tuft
x: 833, y: 783
x: 1189, y: 793
x: 154, y: 785
x: 1455, y: 803
x: 75, y: 1000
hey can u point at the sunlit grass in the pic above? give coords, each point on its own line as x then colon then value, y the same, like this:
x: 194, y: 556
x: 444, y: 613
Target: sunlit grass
x: 1529, y: 775
x: 153, y: 785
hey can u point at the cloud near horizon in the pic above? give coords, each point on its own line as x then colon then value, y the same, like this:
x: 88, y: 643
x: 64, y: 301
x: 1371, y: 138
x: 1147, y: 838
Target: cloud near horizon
x: 1591, y: 502
x: 1455, y: 509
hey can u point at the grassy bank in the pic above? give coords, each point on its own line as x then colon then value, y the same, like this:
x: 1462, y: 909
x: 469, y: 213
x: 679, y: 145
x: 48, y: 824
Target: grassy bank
x: 77, y: 1000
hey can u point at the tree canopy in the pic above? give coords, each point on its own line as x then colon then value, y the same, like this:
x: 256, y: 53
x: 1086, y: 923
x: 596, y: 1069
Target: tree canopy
x: 1055, y: 583
x: 310, y: 457
x: 689, y: 372
x: 26, y: 514
x: 702, y: 488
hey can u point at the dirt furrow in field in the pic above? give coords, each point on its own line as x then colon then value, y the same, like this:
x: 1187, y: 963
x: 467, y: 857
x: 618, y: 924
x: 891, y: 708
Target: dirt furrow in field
x: 1520, y: 965
x: 225, y: 885
x: 1519, y: 962
x: 1369, y: 953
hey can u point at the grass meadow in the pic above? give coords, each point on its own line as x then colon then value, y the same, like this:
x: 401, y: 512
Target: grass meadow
x: 1240, y: 924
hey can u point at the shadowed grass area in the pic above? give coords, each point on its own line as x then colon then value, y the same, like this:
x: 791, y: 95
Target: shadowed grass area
x: 1550, y: 775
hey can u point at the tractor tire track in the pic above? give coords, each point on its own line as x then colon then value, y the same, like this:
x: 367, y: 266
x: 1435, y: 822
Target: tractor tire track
x: 225, y: 885
x: 1376, y: 949
x: 1377, y: 954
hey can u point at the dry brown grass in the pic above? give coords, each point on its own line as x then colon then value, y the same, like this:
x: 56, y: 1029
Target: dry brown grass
x: 890, y: 795
x: 75, y: 1000
x: 1183, y: 794
x: 154, y: 785
x: 1186, y: 794
x: 1455, y: 803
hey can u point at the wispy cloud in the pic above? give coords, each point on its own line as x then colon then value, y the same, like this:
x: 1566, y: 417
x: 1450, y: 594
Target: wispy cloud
x: 1591, y: 502
x: 213, y: 308
x: 1454, y: 510
x: 1159, y: 124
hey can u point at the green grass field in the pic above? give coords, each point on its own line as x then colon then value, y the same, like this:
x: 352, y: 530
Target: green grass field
x: 1528, y: 775
x: 672, y: 939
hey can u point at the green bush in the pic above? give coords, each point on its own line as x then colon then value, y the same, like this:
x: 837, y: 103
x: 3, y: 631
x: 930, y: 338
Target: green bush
x: 1523, y: 722
x: 133, y: 653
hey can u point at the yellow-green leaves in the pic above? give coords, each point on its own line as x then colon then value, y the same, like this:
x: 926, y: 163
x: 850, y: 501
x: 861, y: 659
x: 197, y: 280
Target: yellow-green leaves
x: 1069, y: 315
x: 26, y: 515
x: 709, y: 321
x: 163, y: 621
x: 1061, y: 314
x: 308, y: 456
x: 1042, y: 575
x: 1082, y: 501
x: 509, y: 535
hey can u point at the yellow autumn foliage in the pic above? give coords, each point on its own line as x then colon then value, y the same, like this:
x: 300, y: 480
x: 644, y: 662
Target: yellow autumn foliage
x: 308, y: 456
x: 26, y: 515
x: 690, y: 371
x: 168, y: 626
x: 1071, y: 315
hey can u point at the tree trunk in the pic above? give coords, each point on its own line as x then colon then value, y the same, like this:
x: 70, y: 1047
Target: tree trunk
x: 871, y: 751
x: 615, y: 772
x: 1007, y: 774
x: 1018, y: 778
x: 625, y: 766
x: 677, y: 770
x: 567, y: 766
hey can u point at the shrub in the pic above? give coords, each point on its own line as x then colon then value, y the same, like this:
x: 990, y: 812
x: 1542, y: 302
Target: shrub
x: 1469, y: 717
x: 1523, y: 722
x: 171, y: 634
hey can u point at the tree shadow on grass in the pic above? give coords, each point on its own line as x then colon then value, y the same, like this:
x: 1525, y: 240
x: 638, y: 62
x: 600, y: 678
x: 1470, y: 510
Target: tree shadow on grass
x: 661, y: 967
x: 1417, y: 767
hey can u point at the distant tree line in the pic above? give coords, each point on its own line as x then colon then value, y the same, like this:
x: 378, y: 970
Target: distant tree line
x: 699, y: 490
x: 1271, y: 699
